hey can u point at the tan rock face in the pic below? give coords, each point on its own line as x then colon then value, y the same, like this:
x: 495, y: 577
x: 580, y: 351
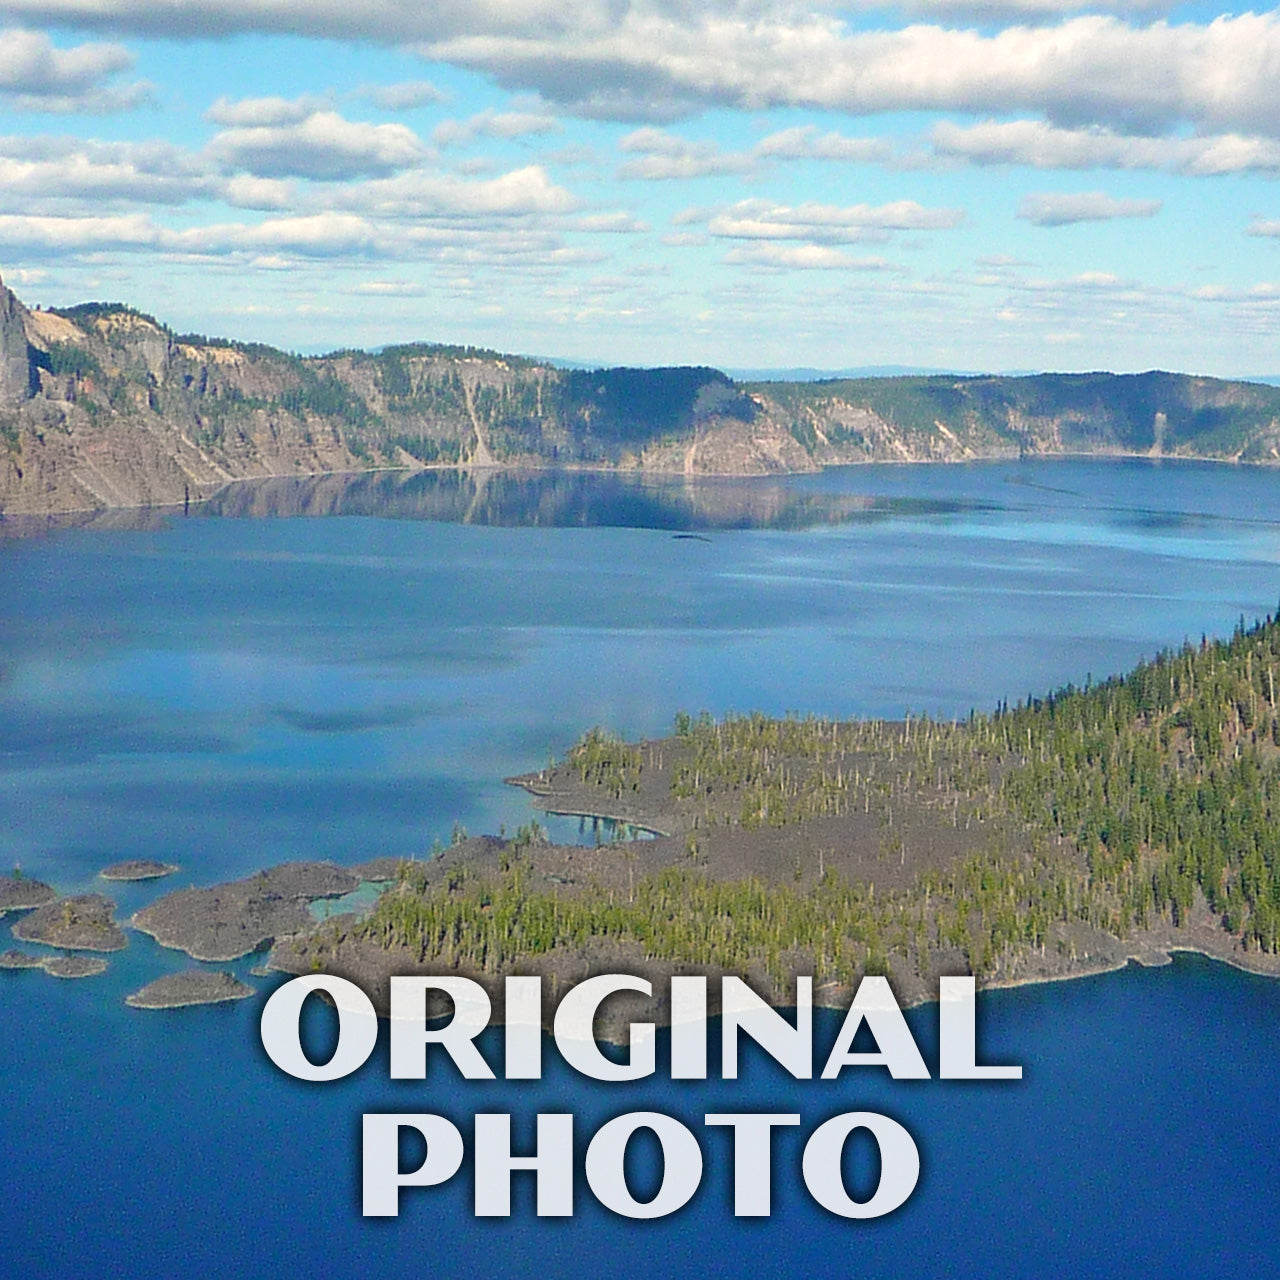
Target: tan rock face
x: 44, y: 328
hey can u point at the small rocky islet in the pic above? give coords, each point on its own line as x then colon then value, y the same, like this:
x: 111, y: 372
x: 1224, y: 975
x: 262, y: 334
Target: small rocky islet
x: 84, y: 922
x: 78, y: 966
x: 74, y: 966
x: 218, y: 923
x: 190, y: 987
x: 21, y: 893
x: 228, y: 921
x: 137, y: 869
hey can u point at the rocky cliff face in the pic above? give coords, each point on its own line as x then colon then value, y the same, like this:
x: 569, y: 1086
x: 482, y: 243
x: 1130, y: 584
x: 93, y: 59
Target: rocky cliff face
x: 102, y: 406
x: 15, y: 363
x: 118, y: 413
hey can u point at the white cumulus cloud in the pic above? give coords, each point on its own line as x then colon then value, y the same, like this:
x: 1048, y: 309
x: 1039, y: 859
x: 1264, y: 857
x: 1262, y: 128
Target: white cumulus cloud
x: 808, y: 142
x: 661, y: 59
x: 36, y: 75
x: 41, y: 169
x: 405, y: 95
x: 803, y: 257
x: 664, y: 156
x: 520, y: 193
x: 505, y: 125
x: 1044, y: 146
x: 320, y: 145
x: 1059, y: 208
x: 763, y: 220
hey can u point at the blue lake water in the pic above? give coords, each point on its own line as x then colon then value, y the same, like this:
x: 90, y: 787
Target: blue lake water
x: 224, y: 692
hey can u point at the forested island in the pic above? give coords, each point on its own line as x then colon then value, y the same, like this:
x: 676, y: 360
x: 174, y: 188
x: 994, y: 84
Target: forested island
x: 1063, y: 835
x: 1059, y: 836
x: 103, y: 406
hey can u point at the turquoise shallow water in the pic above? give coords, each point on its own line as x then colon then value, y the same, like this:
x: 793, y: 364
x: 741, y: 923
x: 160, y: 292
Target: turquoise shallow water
x: 223, y: 693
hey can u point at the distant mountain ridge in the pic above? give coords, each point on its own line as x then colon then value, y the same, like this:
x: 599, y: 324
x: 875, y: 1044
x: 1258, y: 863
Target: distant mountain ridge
x: 102, y: 405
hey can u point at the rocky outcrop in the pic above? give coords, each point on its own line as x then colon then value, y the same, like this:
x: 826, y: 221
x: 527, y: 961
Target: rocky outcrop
x: 82, y: 923
x: 125, y: 415
x: 15, y: 357
x: 228, y: 921
x: 21, y: 893
x: 137, y: 869
x: 192, y: 986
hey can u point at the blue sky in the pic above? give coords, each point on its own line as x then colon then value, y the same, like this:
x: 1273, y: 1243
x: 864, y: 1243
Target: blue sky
x: 964, y: 184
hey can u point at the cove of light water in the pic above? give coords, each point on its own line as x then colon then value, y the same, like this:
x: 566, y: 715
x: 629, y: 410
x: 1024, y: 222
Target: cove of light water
x: 223, y: 693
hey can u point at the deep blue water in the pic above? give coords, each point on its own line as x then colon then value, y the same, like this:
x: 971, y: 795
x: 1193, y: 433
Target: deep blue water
x: 224, y: 692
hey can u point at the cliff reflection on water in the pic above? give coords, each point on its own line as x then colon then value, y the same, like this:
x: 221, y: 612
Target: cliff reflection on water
x: 562, y: 499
